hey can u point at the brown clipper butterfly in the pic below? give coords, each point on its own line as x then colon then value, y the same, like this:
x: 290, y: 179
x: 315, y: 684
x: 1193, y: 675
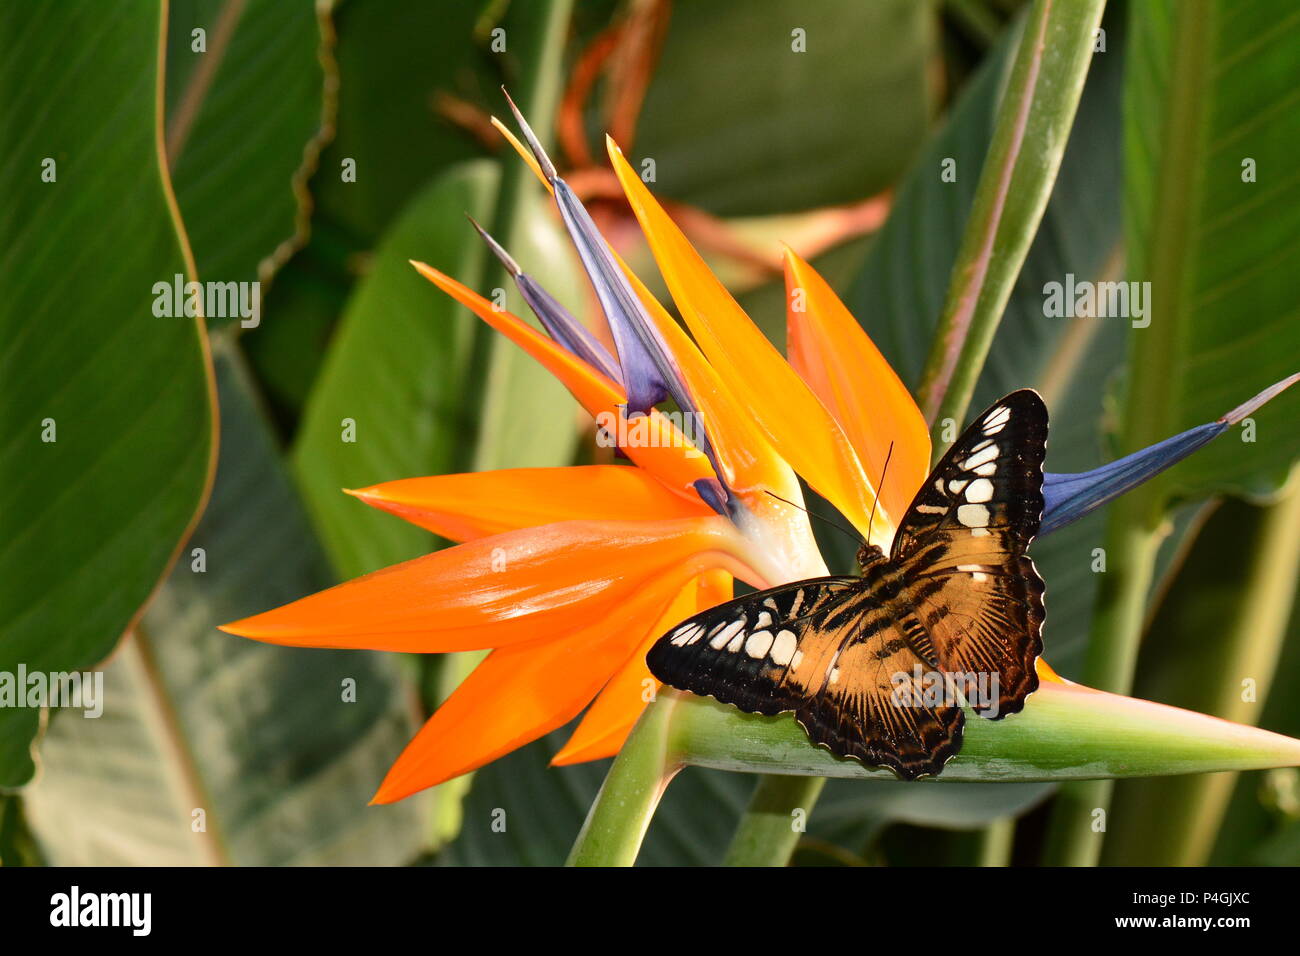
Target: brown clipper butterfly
x: 876, y: 667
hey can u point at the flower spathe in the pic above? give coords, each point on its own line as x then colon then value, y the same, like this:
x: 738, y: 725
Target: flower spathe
x: 567, y: 574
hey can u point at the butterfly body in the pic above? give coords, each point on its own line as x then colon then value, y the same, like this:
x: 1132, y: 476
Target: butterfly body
x: 878, y: 666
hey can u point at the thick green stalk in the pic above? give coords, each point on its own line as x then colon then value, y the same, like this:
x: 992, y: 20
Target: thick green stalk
x: 618, y: 819
x: 1033, y: 125
x: 539, y: 41
x: 770, y: 828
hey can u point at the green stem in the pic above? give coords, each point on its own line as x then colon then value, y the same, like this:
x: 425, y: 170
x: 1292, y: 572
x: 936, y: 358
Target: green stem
x: 621, y: 813
x: 995, y: 843
x: 770, y: 828
x: 1032, y: 127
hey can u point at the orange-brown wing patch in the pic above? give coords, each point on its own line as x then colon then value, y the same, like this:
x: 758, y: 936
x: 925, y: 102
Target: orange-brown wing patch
x: 973, y: 599
x: 828, y: 651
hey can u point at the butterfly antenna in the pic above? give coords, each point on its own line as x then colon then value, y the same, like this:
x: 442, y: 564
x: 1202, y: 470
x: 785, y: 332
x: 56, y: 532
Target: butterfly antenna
x: 879, y: 488
x: 834, y: 524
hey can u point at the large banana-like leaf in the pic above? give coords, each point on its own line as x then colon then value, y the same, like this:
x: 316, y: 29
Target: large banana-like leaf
x: 213, y: 749
x: 107, y: 415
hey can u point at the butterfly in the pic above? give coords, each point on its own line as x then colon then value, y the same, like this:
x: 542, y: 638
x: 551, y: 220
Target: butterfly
x: 877, y: 667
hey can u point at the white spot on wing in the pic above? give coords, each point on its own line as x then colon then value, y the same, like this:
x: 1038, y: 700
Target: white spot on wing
x: 784, y: 648
x: 727, y: 633
x: 687, y: 634
x: 973, y: 516
x: 980, y: 458
x: 759, y: 643
x: 999, y: 416
x: 981, y: 489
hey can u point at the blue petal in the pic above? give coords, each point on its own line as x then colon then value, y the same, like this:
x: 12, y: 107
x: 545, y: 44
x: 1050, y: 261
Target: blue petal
x: 1067, y: 498
x: 650, y: 374
x: 555, y: 318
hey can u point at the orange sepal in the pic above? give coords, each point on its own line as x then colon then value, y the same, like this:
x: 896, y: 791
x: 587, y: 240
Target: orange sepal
x: 671, y: 459
x: 794, y: 419
x: 468, y: 506
x: 841, y: 364
x: 515, y: 696
x: 524, y: 585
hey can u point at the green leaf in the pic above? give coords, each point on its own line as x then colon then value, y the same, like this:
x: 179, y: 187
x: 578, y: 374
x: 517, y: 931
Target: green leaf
x: 94, y: 517
x: 257, y: 736
x: 1209, y: 92
x: 395, y: 63
x: 396, y: 370
x: 737, y: 140
x: 244, y: 130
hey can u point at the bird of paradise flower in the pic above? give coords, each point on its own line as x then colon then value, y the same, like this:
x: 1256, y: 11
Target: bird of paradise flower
x: 568, y: 574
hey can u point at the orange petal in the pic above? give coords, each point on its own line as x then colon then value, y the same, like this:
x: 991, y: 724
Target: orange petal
x: 515, y: 696
x: 742, y: 449
x: 794, y: 419
x: 610, y: 718
x: 1045, y: 672
x: 464, y: 507
x: 837, y: 359
x: 672, y: 459
x: 520, y: 586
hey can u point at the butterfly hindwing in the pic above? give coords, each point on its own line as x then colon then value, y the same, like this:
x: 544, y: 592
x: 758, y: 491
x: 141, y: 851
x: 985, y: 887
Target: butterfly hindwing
x: 961, y: 553
x: 827, y: 650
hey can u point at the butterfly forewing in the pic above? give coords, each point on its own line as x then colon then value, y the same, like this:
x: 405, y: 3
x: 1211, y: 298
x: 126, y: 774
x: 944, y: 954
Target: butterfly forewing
x: 875, y: 667
x: 743, y: 651
x: 961, y: 553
